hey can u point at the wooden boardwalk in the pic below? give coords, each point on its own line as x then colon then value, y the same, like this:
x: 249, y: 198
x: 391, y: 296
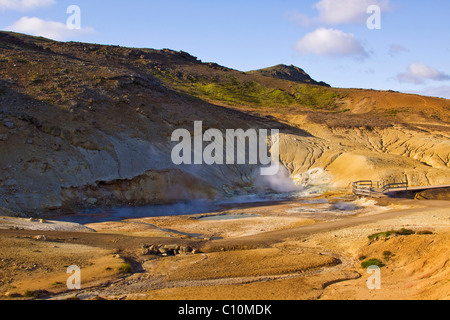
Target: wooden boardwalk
x: 377, y: 189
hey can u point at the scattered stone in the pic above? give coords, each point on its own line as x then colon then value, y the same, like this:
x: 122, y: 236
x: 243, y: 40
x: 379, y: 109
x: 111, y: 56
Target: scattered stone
x: 4, y: 137
x: 153, y: 250
x: 163, y: 250
x: 12, y: 295
x: 29, y: 141
x: 56, y: 146
x: 40, y: 238
x: 42, y: 221
x: 9, y: 124
x: 91, y: 201
x: 185, y: 249
x: 172, y: 247
x: 11, y: 182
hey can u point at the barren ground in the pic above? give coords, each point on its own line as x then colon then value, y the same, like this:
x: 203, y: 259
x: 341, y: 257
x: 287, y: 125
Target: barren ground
x: 292, y: 250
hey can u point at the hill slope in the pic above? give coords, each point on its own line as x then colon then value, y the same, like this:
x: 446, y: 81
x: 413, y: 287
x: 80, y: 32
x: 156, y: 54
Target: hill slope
x: 291, y: 73
x: 85, y: 125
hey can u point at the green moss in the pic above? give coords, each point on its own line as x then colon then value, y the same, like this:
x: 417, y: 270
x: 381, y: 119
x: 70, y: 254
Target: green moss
x: 372, y: 262
x: 125, y: 268
x: 28, y: 294
x: 424, y: 232
x: 35, y: 294
x: 386, y: 234
x: 54, y: 284
x: 380, y: 235
x: 405, y: 232
x: 252, y: 93
x: 387, y: 255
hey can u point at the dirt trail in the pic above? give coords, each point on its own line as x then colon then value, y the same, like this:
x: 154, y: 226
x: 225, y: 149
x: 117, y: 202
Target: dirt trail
x: 270, y: 238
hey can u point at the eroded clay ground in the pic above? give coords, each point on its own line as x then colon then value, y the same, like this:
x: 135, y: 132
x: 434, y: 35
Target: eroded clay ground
x: 308, y: 249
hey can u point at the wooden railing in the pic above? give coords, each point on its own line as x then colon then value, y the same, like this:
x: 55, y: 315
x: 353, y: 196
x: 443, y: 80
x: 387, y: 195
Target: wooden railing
x: 369, y: 188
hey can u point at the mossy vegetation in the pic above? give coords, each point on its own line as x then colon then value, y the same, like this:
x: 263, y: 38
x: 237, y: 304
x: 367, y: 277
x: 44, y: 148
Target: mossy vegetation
x: 387, y: 255
x: 251, y: 93
x: 372, y: 262
x: 125, y: 268
x: 386, y: 234
x: 404, y: 232
x: 35, y: 294
x: 424, y: 232
x: 56, y: 284
x: 380, y: 235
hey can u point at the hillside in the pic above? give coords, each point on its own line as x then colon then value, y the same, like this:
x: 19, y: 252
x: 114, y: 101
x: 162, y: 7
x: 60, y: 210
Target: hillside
x: 86, y: 125
x: 291, y: 73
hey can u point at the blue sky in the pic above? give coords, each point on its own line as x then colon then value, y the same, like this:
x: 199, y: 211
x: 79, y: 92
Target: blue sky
x: 329, y: 39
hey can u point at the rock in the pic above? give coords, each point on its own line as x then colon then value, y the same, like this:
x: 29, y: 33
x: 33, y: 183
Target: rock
x: 11, y: 183
x: 40, y: 238
x: 172, y: 247
x: 185, y: 249
x: 163, y: 250
x: 42, y: 221
x: 91, y: 201
x: 12, y: 295
x: 4, y: 137
x: 153, y: 250
x: 56, y: 146
x: 150, y: 250
x: 9, y: 124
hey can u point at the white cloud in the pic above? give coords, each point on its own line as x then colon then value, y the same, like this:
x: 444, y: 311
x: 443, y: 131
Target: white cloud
x: 347, y: 11
x: 22, y: 5
x: 331, y: 42
x: 48, y: 29
x: 418, y: 73
x: 335, y: 12
x: 298, y: 18
x: 395, y: 49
